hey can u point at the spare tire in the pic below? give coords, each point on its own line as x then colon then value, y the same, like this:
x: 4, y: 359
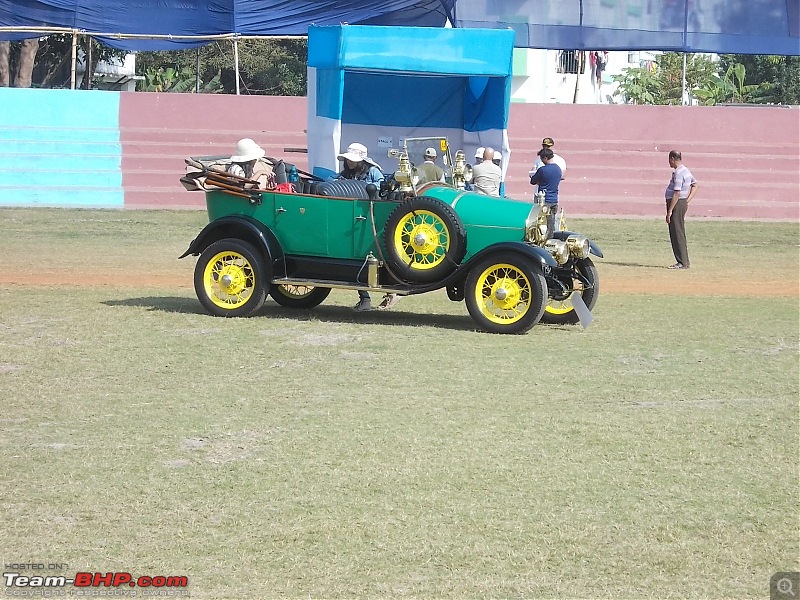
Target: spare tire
x: 425, y: 240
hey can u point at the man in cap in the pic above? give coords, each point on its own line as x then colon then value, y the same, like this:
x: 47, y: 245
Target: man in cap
x: 547, y: 179
x: 429, y: 170
x: 549, y: 143
x: 479, y: 155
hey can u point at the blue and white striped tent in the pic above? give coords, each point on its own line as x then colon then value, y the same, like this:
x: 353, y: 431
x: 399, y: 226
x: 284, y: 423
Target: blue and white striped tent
x: 378, y: 85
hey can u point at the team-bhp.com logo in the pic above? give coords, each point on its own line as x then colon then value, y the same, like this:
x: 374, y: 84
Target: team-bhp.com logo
x: 18, y: 582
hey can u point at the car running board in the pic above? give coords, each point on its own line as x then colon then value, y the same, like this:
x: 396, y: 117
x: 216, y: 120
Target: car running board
x: 333, y: 284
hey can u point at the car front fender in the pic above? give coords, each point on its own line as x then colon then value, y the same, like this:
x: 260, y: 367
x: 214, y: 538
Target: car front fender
x: 540, y: 256
x: 238, y: 227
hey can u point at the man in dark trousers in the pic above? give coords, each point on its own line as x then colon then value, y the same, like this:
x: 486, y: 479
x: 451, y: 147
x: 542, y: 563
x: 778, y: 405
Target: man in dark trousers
x: 547, y: 177
x: 679, y: 193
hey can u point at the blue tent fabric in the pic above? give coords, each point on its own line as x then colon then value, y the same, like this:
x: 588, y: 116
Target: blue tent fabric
x: 378, y: 85
x: 719, y: 26
x: 199, y: 18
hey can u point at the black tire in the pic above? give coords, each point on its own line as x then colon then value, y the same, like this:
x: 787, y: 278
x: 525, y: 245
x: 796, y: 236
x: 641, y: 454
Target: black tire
x: 506, y: 294
x: 298, y: 296
x: 559, y: 310
x: 231, y: 279
x: 425, y: 240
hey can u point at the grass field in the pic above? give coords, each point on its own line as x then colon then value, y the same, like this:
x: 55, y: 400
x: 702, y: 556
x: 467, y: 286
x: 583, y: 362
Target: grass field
x: 394, y: 454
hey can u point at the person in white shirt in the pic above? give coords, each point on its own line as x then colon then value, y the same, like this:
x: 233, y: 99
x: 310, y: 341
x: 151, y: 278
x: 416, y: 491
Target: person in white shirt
x: 486, y: 175
x: 549, y: 143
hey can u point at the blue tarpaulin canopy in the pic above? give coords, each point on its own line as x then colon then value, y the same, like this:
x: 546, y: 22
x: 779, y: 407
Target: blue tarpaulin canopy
x: 722, y: 26
x: 378, y: 85
x: 195, y: 22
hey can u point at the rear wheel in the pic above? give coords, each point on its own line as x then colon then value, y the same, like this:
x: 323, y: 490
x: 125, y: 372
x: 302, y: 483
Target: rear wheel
x: 298, y: 296
x: 506, y: 295
x: 560, y: 310
x: 425, y: 240
x: 231, y: 278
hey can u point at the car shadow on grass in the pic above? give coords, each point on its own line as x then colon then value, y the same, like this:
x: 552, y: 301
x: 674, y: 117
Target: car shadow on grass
x: 323, y: 313
x: 172, y: 304
x: 394, y: 317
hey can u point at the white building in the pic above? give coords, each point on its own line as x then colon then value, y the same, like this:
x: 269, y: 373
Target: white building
x: 550, y: 76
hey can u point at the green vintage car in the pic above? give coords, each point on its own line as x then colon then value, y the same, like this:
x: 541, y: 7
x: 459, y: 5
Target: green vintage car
x: 306, y: 237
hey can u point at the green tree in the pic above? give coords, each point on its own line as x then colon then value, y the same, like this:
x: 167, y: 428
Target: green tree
x: 782, y: 73
x: 731, y: 88
x: 638, y: 85
x: 269, y: 67
x: 663, y: 84
x: 46, y: 62
x: 172, y: 80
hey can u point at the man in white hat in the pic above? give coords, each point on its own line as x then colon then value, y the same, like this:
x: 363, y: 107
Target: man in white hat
x: 246, y: 162
x: 357, y: 165
x: 479, y: 155
x: 429, y: 170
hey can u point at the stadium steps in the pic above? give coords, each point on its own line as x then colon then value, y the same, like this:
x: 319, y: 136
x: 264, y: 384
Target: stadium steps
x: 617, y: 163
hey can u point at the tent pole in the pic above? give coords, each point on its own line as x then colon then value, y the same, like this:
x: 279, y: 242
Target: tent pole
x: 684, y: 95
x: 74, y: 67
x: 236, y: 62
x: 197, y: 73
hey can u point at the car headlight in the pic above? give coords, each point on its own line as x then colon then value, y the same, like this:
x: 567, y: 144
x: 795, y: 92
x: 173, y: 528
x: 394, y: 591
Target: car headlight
x: 578, y: 246
x: 535, y: 228
x: 558, y: 249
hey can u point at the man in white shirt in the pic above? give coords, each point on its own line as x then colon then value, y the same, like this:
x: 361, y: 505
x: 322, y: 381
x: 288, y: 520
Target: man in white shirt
x: 486, y: 175
x: 549, y: 143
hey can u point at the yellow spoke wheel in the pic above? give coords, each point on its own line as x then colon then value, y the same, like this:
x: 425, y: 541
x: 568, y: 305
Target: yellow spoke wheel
x: 425, y: 240
x: 507, y: 296
x: 559, y: 309
x: 230, y: 279
x: 422, y: 238
x: 298, y: 296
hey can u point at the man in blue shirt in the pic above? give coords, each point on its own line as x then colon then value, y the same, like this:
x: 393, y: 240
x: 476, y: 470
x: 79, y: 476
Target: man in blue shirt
x: 547, y: 177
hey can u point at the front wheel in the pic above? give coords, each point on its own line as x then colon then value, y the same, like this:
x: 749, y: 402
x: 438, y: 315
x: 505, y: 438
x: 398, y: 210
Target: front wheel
x: 559, y: 309
x: 506, y: 295
x: 298, y: 296
x: 231, y: 278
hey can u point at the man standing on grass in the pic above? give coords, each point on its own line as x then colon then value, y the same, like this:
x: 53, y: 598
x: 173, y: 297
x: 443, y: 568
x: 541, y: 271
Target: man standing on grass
x: 679, y: 193
x: 546, y: 178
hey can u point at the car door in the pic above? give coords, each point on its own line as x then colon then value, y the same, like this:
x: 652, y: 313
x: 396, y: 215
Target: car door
x: 301, y: 223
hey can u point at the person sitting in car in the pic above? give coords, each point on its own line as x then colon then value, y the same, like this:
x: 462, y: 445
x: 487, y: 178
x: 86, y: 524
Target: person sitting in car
x: 357, y: 165
x: 247, y: 162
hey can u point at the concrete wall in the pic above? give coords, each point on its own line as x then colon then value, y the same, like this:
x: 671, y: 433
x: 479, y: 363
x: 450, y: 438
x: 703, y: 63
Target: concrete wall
x: 114, y: 149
